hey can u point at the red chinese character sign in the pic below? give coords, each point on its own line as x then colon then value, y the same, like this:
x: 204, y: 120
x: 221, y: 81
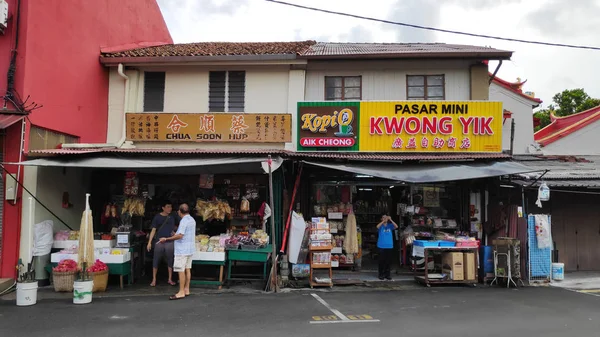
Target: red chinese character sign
x: 218, y: 127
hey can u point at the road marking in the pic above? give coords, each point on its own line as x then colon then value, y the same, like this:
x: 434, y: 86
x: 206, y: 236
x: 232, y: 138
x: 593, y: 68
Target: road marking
x: 337, y: 316
x: 589, y: 291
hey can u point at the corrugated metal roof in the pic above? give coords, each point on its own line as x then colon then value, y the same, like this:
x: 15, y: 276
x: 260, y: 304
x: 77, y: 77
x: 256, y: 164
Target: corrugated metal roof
x: 562, y: 183
x: 561, y: 168
x: 399, y: 49
x: 325, y: 155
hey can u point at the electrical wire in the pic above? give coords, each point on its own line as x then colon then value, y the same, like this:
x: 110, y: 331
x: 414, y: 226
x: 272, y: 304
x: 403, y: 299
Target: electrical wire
x: 433, y: 28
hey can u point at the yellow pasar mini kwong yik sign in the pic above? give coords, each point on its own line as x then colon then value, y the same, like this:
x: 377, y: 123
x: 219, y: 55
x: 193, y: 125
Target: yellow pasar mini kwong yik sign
x: 431, y: 126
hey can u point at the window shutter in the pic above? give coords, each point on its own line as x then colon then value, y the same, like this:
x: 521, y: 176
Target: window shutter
x: 237, y: 91
x: 154, y: 91
x: 216, y: 91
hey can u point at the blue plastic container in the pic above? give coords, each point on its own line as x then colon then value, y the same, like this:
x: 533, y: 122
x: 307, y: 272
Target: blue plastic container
x: 447, y: 243
x: 426, y: 243
x: 486, y: 261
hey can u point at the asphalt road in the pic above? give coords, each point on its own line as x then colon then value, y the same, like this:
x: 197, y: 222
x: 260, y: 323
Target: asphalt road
x: 547, y: 312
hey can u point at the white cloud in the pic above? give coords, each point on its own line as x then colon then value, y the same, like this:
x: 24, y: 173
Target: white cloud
x: 547, y: 69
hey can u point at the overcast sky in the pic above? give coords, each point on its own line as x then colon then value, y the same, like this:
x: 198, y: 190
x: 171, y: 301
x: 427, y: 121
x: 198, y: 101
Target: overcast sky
x: 548, y: 70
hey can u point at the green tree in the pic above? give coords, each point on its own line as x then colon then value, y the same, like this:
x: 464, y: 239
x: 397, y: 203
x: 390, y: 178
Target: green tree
x: 566, y: 103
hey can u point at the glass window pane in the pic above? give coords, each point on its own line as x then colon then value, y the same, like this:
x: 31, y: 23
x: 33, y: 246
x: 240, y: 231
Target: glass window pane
x: 352, y: 93
x: 435, y: 98
x: 435, y: 91
x: 416, y: 98
x: 333, y: 82
x: 435, y: 80
x: 353, y: 81
x: 416, y: 91
x: 415, y: 80
x: 333, y: 93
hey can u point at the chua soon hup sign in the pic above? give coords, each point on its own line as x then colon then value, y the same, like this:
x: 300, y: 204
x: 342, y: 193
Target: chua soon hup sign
x: 404, y: 126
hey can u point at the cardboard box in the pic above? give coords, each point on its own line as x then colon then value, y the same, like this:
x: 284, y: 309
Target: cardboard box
x: 453, y: 265
x: 469, y: 266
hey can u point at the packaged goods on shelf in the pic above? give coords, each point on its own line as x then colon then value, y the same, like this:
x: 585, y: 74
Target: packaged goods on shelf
x: 213, y: 210
x: 134, y: 206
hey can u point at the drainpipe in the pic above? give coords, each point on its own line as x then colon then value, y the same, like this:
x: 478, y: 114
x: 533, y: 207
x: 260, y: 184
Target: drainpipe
x: 120, y: 142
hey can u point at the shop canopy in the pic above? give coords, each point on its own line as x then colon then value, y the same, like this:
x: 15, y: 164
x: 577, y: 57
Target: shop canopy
x: 430, y: 172
x: 158, y: 165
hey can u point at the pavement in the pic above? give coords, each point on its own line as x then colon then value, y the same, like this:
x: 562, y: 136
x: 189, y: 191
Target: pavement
x: 448, y: 311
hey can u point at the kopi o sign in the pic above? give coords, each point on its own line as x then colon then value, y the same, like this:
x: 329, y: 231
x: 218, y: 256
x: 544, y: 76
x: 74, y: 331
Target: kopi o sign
x: 403, y: 126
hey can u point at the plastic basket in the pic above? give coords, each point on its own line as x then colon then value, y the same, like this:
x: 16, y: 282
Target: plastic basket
x: 467, y: 244
x: 100, y: 281
x: 447, y: 243
x: 425, y: 243
x: 251, y: 247
x: 64, y: 281
x: 231, y: 246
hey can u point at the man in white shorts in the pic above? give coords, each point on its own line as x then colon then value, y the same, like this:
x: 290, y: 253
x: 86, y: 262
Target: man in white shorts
x: 184, y: 250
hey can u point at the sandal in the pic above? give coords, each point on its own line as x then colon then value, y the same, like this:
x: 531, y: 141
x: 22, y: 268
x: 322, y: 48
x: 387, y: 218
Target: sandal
x: 172, y: 283
x: 174, y: 297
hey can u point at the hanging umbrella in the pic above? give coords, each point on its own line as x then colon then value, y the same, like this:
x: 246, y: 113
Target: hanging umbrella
x: 86, y: 238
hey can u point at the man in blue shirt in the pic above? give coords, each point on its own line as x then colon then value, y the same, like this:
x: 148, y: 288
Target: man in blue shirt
x: 184, y: 250
x: 163, y: 226
x: 385, y: 243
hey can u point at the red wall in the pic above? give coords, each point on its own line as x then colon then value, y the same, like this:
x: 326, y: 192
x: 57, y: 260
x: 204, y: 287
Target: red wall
x: 58, y: 67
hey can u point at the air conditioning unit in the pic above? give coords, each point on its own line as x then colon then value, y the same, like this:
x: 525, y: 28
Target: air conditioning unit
x: 3, y: 15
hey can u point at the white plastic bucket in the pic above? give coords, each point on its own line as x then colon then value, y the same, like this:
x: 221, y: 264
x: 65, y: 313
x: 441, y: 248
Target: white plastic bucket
x: 82, y: 292
x: 558, y: 271
x: 27, y: 293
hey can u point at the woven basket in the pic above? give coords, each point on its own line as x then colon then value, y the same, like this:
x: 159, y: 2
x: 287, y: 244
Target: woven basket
x: 100, y: 281
x: 64, y: 281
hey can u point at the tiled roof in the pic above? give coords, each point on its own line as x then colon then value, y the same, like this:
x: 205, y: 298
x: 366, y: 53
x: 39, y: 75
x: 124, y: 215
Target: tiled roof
x: 311, y: 50
x: 399, y: 50
x: 564, y: 126
x: 516, y: 88
x: 294, y: 154
x: 216, y: 49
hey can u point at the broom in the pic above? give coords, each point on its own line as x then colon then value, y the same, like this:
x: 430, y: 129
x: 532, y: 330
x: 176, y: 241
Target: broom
x: 86, y: 240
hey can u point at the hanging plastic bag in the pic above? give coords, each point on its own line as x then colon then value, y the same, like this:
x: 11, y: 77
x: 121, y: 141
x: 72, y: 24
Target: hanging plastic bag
x: 543, y: 194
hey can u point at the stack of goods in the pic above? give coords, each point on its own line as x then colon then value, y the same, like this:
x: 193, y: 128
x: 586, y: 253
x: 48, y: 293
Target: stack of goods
x: 66, y: 235
x: 250, y: 242
x: 204, y: 243
x: 321, y: 258
x: 213, y: 210
x: 64, y: 275
x: 337, y: 225
x: 134, y: 206
x: 338, y: 241
x: 99, y: 273
x: 320, y: 239
x: 344, y: 258
x: 261, y: 237
x: 325, y: 209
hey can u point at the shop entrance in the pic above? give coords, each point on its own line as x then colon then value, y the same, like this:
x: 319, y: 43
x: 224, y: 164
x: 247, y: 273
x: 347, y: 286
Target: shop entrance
x: 421, y: 211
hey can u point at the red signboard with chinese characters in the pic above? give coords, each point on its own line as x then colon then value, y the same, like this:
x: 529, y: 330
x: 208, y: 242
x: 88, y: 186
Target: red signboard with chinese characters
x: 209, y: 127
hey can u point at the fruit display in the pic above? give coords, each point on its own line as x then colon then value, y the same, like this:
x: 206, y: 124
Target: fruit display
x: 66, y: 266
x: 134, y: 206
x: 211, y: 244
x: 213, y: 210
x: 98, y: 266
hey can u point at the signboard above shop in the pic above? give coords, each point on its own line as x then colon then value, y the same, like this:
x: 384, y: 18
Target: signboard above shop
x: 209, y: 127
x: 403, y: 126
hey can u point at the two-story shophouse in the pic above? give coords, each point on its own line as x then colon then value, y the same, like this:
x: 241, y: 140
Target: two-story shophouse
x: 192, y: 122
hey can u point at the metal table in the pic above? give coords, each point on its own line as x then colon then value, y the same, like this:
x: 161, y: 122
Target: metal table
x: 259, y: 256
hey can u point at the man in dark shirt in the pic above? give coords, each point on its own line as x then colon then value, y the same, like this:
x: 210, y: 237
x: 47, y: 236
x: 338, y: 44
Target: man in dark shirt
x: 163, y: 226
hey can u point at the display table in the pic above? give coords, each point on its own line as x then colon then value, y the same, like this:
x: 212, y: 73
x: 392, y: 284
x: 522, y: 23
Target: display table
x: 261, y: 256
x: 209, y: 259
x: 428, y: 279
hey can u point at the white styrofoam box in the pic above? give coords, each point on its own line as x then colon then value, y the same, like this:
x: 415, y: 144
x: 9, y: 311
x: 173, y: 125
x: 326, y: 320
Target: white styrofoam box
x: 115, y: 258
x: 57, y: 257
x: 66, y: 244
x: 335, y: 264
x: 336, y: 250
x: 209, y: 256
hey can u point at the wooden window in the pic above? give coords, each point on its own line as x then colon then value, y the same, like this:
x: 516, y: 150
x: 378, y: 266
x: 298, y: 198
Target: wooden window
x: 154, y: 91
x: 343, y: 88
x: 425, y: 87
x: 226, y: 91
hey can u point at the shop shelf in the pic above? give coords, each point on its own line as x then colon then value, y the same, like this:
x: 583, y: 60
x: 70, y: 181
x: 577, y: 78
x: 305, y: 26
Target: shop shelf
x: 318, y: 248
x: 320, y: 265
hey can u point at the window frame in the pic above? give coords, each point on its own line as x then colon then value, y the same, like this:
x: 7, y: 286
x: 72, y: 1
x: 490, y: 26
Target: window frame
x: 343, y: 78
x: 425, y: 87
x: 161, y: 94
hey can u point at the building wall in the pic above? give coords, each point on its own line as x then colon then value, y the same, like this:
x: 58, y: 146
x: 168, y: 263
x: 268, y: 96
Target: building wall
x: 386, y: 80
x: 522, y: 113
x: 57, y: 67
x: 272, y: 88
x: 579, y: 143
